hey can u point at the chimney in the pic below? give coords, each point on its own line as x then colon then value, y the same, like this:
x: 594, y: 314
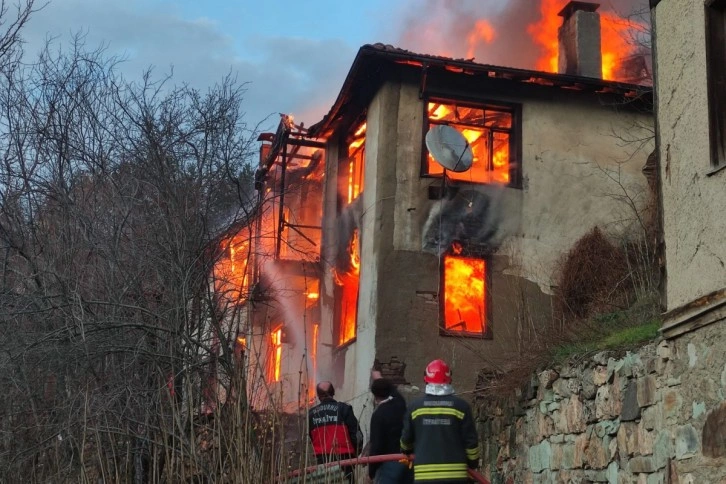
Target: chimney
x: 579, y: 38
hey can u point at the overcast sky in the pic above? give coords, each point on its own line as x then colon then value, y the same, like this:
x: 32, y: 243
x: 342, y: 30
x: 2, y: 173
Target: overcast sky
x: 293, y: 54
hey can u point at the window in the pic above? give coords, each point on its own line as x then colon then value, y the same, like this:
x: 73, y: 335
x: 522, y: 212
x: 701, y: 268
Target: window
x: 716, y: 65
x: 347, y: 295
x: 274, y: 361
x: 347, y: 271
x: 355, y: 163
x: 464, y: 302
x: 490, y: 132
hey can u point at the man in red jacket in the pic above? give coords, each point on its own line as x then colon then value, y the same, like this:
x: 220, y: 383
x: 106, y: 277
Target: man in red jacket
x: 334, y: 430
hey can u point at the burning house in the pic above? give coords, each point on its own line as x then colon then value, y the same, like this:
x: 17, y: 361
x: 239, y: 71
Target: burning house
x: 368, y: 251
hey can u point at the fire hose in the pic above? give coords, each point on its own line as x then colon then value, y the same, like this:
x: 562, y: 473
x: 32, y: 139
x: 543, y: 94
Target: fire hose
x: 376, y: 459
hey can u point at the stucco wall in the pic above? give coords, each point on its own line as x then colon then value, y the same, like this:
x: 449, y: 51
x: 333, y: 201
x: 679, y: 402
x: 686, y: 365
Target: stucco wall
x: 567, y: 143
x: 652, y: 416
x: 692, y: 201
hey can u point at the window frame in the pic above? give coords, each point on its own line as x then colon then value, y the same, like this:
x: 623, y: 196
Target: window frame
x: 515, y: 135
x: 716, y: 104
x: 487, y: 333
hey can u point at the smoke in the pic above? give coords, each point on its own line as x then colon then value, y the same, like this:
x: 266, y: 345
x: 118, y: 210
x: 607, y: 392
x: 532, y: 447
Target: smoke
x: 444, y: 27
x: 472, y: 217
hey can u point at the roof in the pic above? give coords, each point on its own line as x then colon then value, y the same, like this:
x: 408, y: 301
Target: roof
x: 372, y: 58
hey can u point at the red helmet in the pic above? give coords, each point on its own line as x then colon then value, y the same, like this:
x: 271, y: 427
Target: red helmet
x: 437, y: 372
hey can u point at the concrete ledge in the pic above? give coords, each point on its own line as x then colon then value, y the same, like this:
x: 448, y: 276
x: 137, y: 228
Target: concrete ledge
x: 701, y: 312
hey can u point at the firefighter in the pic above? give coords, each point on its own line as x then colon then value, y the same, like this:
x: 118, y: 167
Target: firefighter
x: 439, y: 430
x: 334, y: 430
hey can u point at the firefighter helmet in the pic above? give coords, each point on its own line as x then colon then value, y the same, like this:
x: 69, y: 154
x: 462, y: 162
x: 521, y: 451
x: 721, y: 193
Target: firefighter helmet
x: 437, y: 372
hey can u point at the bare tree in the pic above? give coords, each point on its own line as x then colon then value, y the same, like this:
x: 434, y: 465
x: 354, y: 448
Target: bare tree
x: 114, y: 197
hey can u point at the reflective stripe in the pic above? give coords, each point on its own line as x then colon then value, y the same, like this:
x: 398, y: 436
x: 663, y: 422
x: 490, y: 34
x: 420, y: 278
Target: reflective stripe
x: 430, y: 476
x: 437, y: 411
x: 441, y: 467
x: 472, y: 454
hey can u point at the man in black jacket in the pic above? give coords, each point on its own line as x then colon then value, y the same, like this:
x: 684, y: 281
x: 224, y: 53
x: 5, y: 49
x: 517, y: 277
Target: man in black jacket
x: 333, y: 428
x: 386, y: 427
x: 439, y: 429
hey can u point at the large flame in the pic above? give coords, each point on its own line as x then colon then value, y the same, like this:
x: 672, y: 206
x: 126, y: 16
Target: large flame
x: 464, y: 294
x: 616, y: 35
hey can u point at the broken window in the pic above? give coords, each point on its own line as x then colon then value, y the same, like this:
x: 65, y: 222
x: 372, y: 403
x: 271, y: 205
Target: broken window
x: 488, y: 130
x: 347, y: 271
x: 347, y: 295
x: 274, y: 360
x: 355, y: 163
x: 464, y: 302
x: 716, y: 65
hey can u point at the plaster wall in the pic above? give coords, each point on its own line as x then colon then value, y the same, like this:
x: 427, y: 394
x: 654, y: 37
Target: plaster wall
x: 579, y: 171
x: 576, y: 170
x: 693, y: 196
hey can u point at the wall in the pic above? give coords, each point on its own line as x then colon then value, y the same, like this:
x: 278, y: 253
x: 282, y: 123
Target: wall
x: 692, y: 196
x: 656, y: 415
x: 570, y: 152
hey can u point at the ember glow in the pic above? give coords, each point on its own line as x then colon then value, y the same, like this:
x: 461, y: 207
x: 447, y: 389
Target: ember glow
x: 464, y: 294
x: 616, y: 34
x: 486, y: 131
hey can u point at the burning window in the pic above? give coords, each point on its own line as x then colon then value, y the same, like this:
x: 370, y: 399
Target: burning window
x: 347, y: 295
x: 716, y: 56
x: 355, y: 163
x: 274, y: 361
x: 489, y: 132
x: 230, y: 271
x: 464, y: 303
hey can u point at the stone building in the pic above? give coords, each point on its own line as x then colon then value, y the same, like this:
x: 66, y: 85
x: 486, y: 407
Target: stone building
x: 386, y: 260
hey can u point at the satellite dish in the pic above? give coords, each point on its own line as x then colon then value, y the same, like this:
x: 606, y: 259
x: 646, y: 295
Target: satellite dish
x: 449, y: 148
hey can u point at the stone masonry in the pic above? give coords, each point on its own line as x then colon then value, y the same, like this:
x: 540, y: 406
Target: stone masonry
x: 657, y: 415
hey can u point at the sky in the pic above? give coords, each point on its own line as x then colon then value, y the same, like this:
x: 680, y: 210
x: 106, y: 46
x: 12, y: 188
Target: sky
x: 293, y: 56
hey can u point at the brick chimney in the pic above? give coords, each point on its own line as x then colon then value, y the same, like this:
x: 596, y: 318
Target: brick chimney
x: 579, y: 40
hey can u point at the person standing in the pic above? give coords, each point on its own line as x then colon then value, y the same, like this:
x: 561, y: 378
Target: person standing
x: 333, y: 428
x: 439, y: 430
x: 385, y: 436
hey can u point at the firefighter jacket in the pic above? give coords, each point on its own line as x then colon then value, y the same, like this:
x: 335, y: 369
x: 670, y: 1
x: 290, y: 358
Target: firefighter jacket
x: 440, y: 431
x: 334, y: 429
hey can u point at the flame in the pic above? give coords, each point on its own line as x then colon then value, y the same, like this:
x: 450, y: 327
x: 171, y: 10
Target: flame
x: 464, y: 294
x: 483, y: 31
x: 615, y: 31
x: 314, y: 360
x: 230, y: 271
x: 479, y: 140
x: 275, y: 363
x: 544, y: 34
x: 356, y: 152
x: 349, y: 282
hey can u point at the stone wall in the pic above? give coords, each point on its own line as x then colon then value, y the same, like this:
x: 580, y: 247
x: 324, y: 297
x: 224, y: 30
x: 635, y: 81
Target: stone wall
x: 656, y: 415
